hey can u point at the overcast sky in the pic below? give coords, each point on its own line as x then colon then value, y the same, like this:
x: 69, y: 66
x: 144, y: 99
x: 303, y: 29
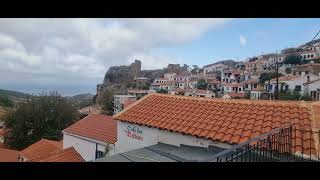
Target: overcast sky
x: 72, y: 55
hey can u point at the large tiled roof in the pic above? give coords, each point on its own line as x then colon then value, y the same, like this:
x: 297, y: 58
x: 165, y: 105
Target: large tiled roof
x: 226, y: 121
x: 236, y: 95
x: 41, y: 148
x: 286, y: 78
x: 9, y: 155
x: 63, y: 155
x: 95, y: 126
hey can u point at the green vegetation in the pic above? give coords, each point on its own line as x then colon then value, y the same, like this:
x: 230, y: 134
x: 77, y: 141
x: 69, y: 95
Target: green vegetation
x: 15, y: 94
x: 202, y: 84
x: 292, y: 60
x: 43, y: 116
x: 106, y: 102
x: 162, y: 91
x: 5, y: 101
x: 288, y: 70
x: 293, y: 96
x: 268, y: 76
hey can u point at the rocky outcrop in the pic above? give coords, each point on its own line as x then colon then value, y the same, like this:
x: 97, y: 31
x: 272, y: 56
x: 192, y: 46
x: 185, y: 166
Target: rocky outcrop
x: 117, y: 78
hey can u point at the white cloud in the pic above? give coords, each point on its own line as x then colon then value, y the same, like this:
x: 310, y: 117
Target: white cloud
x: 71, y: 49
x: 243, y: 40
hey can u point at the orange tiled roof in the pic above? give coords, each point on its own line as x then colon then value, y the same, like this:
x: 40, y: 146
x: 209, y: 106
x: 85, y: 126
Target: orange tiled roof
x: 286, y: 78
x: 40, y: 148
x: 249, y: 81
x: 232, y: 84
x: 95, y: 126
x: 63, y: 155
x: 235, y: 95
x: 9, y: 155
x: 227, y: 121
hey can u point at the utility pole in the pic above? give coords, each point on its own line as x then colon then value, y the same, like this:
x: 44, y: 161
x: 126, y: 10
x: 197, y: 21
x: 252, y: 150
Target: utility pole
x: 277, y: 72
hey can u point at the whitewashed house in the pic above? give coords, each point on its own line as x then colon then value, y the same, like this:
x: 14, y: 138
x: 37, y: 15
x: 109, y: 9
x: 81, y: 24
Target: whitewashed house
x: 290, y: 83
x: 312, y: 89
x: 92, y: 137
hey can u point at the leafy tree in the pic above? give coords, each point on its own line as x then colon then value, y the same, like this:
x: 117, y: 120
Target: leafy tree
x: 106, y: 101
x: 202, y: 84
x: 162, y: 91
x: 288, y: 70
x: 293, y: 96
x: 268, y: 76
x: 292, y: 60
x: 5, y: 101
x: 43, y: 116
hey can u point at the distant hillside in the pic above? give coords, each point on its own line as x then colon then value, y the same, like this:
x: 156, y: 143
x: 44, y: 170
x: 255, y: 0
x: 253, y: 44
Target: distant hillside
x: 14, y: 94
x: 81, y: 100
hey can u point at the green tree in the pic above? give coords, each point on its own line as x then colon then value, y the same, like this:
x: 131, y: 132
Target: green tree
x: 293, y: 96
x: 43, y: 116
x: 5, y: 101
x: 292, y: 60
x: 106, y: 102
x: 202, y: 84
x: 288, y: 70
x: 268, y: 76
x: 162, y: 91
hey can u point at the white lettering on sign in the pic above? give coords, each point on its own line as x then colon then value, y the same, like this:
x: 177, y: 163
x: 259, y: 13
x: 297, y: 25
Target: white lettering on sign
x: 134, y: 133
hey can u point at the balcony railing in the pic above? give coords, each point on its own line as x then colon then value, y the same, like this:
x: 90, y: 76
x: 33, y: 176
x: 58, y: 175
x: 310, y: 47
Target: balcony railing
x: 281, y: 144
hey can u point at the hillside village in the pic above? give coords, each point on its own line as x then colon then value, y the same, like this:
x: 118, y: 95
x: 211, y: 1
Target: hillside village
x: 225, y: 111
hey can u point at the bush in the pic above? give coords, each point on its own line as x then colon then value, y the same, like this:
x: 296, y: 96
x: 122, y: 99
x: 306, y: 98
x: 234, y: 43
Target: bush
x: 43, y: 116
x: 293, y: 96
x: 5, y: 101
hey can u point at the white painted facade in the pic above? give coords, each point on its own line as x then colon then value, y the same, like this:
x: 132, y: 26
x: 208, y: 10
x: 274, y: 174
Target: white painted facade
x: 86, y: 147
x: 169, y: 76
x: 151, y: 136
x: 291, y: 84
x: 313, y: 90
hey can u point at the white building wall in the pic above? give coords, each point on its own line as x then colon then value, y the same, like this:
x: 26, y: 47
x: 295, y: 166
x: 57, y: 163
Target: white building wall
x: 85, y: 147
x: 151, y: 136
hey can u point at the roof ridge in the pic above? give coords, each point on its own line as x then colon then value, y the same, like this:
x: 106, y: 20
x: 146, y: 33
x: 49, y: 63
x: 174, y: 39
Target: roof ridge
x: 244, y: 101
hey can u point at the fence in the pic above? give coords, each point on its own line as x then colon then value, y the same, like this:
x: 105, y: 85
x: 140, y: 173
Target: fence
x: 281, y: 144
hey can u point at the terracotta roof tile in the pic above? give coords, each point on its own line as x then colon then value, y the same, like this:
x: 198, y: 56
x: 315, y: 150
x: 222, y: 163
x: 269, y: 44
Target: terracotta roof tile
x: 63, y: 155
x: 229, y: 121
x: 40, y: 148
x: 98, y: 127
x: 9, y: 155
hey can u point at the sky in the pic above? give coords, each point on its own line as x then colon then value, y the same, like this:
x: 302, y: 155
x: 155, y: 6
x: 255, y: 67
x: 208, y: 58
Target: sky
x: 72, y: 55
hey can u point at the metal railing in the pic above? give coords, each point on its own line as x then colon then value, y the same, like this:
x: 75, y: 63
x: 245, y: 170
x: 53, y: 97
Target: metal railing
x: 280, y: 144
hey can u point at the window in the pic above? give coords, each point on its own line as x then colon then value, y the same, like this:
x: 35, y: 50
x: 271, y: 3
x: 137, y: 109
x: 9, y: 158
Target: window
x: 99, y: 154
x: 255, y: 85
x: 307, y: 72
x: 298, y: 88
x: 239, y: 89
x: 227, y: 88
x: 312, y: 55
x: 286, y: 87
x: 308, y: 56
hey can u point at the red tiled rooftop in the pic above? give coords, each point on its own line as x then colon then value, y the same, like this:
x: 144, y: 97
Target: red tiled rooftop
x: 95, y: 126
x: 9, y: 155
x: 40, y: 148
x: 236, y: 95
x: 63, y: 155
x: 286, y: 78
x: 226, y: 121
